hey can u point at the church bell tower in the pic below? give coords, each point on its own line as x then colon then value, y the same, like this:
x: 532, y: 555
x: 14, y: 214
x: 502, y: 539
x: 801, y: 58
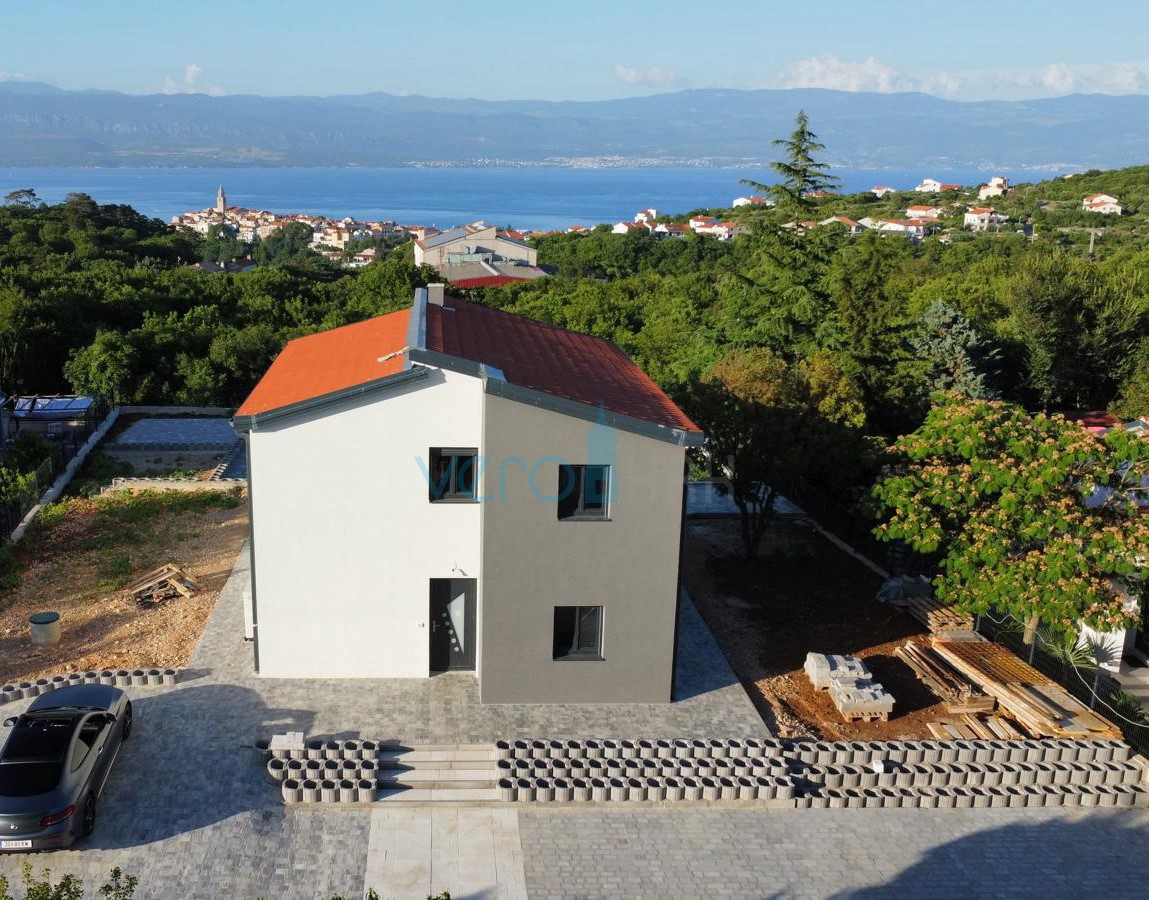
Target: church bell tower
x: 221, y: 200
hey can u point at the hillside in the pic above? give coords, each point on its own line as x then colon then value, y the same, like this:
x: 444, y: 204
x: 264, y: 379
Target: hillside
x: 43, y: 125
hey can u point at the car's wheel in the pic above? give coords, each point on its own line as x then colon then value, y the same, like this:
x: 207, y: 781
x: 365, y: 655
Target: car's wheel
x: 88, y: 822
x: 127, y: 721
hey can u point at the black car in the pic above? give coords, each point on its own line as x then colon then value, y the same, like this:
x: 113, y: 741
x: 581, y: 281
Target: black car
x: 55, y: 762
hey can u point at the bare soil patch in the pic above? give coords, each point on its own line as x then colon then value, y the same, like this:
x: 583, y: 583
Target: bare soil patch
x: 82, y: 555
x: 803, y: 594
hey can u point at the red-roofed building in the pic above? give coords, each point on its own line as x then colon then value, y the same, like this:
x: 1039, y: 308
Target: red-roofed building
x: 451, y: 486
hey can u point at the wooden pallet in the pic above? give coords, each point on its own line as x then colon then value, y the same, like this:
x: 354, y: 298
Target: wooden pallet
x: 938, y: 617
x: 162, y: 584
x: 1041, y: 707
x: 983, y: 728
x: 958, y: 692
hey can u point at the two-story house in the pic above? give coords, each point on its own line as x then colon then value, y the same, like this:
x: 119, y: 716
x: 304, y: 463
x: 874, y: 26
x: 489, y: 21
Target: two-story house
x: 452, y: 487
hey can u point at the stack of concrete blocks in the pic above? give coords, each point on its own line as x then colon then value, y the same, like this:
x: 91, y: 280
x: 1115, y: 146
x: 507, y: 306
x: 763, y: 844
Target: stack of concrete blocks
x: 851, y: 686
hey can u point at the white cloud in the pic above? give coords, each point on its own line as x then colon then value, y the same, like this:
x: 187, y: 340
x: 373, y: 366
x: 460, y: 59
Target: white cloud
x: 1058, y: 78
x: 829, y: 71
x: 14, y: 76
x: 655, y: 76
x: 1050, y: 80
x: 191, y: 83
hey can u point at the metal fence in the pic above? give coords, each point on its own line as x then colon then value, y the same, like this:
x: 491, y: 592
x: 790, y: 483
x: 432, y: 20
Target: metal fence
x: 1092, y: 687
x: 65, y: 446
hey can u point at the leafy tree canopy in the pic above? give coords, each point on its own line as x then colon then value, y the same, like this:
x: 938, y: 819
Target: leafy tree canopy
x: 1031, y: 515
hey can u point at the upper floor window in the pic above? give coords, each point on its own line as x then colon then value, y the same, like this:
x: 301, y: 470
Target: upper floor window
x: 452, y: 474
x: 583, y: 492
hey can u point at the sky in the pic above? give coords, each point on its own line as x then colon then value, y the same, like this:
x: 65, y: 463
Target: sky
x: 585, y: 50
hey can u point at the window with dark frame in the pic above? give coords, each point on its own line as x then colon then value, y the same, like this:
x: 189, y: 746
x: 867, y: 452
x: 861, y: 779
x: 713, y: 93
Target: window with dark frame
x: 583, y: 492
x: 578, y: 632
x: 452, y: 474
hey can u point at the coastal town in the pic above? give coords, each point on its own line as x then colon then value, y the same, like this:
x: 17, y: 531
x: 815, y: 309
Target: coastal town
x: 478, y: 255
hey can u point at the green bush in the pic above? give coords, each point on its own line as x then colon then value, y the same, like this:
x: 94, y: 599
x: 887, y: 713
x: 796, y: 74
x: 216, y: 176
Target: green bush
x: 28, y: 450
x: 118, y: 886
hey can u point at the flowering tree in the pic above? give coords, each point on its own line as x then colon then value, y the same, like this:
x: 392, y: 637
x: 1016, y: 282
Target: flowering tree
x: 1033, y: 516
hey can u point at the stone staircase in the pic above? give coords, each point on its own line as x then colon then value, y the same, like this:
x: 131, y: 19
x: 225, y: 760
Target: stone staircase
x: 438, y: 773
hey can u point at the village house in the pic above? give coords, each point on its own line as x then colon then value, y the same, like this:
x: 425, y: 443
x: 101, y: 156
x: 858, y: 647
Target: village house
x: 981, y: 218
x: 643, y: 227
x: 508, y: 500
x: 852, y: 228
x: 997, y: 187
x: 697, y: 222
x: 670, y: 230
x: 920, y: 211
x: 915, y: 229
x: 933, y: 186
x: 471, y: 243
x: 646, y: 215
x: 881, y: 190
x: 752, y: 201
x: 1102, y: 203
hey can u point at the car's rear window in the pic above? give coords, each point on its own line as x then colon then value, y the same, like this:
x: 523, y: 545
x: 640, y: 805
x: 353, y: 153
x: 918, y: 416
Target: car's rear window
x: 39, y: 738
x: 27, y: 779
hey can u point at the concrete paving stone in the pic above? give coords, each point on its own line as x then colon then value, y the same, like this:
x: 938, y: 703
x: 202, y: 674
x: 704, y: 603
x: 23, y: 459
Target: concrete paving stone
x: 188, y: 810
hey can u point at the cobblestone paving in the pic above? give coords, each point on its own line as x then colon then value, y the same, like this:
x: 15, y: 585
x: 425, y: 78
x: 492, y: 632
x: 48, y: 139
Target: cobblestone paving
x: 835, y: 853
x: 173, y: 432
x: 188, y: 811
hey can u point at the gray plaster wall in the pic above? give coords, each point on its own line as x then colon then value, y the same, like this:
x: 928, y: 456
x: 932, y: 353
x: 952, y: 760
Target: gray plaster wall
x: 532, y: 562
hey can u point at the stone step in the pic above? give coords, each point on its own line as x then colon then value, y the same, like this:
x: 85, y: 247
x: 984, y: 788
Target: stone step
x: 406, y: 762
x: 419, y: 776
x: 433, y: 794
x: 442, y: 759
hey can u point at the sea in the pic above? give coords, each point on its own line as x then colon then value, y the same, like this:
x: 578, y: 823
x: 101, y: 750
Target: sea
x: 534, y: 198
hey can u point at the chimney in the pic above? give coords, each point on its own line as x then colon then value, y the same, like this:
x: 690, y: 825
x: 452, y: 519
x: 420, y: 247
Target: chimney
x: 435, y: 294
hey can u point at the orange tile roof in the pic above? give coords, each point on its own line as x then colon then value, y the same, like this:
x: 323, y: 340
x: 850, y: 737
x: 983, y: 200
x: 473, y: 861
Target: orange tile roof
x: 529, y: 353
x: 330, y: 361
x: 550, y: 359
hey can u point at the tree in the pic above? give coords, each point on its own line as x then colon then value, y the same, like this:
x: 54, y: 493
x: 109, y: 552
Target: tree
x: 802, y: 175
x: 954, y: 355
x: 22, y: 197
x: 288, y: 244
x: 1032, y: 516
x: 768, y: 424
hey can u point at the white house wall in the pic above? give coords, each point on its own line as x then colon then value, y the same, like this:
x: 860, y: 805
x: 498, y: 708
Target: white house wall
x: 346, y: 539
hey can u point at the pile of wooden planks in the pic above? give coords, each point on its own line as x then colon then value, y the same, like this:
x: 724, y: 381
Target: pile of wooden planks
x: 937, y: 617
x: 162, y: 584
x: 1041, y: 707
x: 984, y: 728
x: 958, y: 692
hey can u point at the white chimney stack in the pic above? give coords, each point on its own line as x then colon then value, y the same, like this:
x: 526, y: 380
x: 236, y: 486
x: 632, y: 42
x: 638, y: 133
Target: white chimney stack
x: 435, y: 294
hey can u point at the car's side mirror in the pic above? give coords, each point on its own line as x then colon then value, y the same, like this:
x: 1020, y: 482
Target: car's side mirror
x: 10, y: 721
x: 110, y: 718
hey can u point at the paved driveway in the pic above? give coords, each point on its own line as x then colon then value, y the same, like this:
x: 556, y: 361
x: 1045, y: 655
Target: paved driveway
x: 188, y: 811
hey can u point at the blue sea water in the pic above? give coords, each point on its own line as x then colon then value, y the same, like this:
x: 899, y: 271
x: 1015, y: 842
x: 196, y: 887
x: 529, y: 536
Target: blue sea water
x: 532, y: 198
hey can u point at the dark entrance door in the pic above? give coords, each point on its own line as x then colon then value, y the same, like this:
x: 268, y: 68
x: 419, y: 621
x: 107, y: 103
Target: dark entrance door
x: 452, y: 624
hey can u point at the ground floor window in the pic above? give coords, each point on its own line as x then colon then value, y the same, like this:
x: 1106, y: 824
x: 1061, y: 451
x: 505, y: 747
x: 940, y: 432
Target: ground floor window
x: 578, y: 632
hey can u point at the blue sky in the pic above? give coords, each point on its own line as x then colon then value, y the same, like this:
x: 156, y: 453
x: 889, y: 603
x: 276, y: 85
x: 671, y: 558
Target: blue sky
x: 585, y: 50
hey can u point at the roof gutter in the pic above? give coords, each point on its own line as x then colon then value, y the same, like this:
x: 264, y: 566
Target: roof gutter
x: 257, y: 421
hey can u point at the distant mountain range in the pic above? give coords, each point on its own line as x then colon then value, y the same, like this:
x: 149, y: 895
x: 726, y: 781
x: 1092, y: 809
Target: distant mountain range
x: 41, y: 125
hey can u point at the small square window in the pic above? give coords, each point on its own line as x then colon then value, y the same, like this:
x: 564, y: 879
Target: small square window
x: 578, y: 632
x: 583, y: 492
x: 452, y: 475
